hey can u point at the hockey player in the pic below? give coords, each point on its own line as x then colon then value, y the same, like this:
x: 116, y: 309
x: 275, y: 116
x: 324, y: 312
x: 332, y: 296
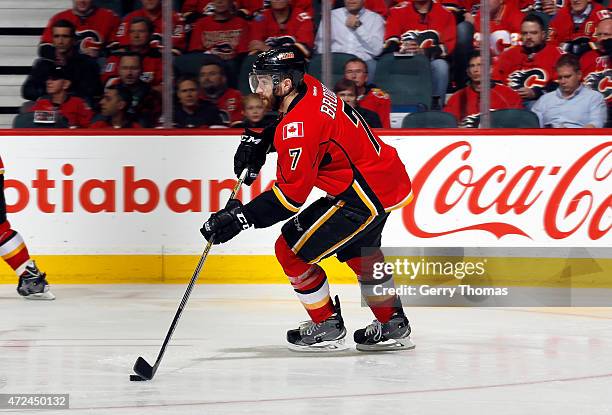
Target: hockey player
x: 321, y: 142
x: 32, y: 283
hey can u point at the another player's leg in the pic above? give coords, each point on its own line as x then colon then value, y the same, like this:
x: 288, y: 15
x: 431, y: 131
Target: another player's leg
x: 32, y: 283
x: 325, y: 331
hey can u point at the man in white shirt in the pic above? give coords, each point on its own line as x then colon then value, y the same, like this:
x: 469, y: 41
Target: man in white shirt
x: 572, y: 105
x: 355, y: 30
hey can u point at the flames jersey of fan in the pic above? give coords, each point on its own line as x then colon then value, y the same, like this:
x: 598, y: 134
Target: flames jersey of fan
x: 225, y: 39
x: 465, y: 103
x: 519, y: 69
x: 377, y: 100
x: 563, y: 29
x: 597, y: 72
x: 505, y: 28
x: 229, y: 105
x: 122, y: 37
x: 95, y: 30
x: 298, y: 30
x: 75, y: 110
x: 321, y: 142
x: 437, y: 28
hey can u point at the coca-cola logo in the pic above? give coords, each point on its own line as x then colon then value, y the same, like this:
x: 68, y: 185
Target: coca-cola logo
x: 519, y: 191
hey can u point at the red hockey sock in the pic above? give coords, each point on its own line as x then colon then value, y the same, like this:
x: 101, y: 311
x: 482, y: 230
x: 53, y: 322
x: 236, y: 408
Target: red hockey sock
x: 383, y: 306
x: 14, y: 251
x: 309, y: 282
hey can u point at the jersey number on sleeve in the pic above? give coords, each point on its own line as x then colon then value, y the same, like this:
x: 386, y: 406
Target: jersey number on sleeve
x: 357, y: 119
x: 295, y: 153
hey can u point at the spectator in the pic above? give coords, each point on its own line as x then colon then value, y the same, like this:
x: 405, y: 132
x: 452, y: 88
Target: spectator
x: 572, y: 105
x: 192, y: 112
x: 151, y: 9
x: 597, y: 65
x: 357, y: 31
x: 573, y: 27
x: 82, y: 71
x: 254, y: 112
x: 281, y: 25
x: 505, y: 26
x: 59, y: 103
x: 465, y: 103
x: 222, y: 33
x: 114, y: 107
x: 213, y: 88
x: 424, y: 27
x: 529, y: 69
x: 368, y: 95
x: 145, y: 107
x: 95, y: 27
x: 140, y: 35
x: 252, y: 7
x: 347, y: 91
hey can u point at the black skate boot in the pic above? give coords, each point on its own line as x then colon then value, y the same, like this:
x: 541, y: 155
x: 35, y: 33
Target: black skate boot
x: 393, y: 335
x: 328, y: 335
x: 33, y: 285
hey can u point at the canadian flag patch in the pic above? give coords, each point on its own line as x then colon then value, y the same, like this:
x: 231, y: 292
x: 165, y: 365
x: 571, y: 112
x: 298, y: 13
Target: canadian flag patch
x: 293, y: 129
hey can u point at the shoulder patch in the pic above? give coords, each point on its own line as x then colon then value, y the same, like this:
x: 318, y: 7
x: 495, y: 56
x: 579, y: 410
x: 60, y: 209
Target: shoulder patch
x: 400, y: 5
x: 379, y: 93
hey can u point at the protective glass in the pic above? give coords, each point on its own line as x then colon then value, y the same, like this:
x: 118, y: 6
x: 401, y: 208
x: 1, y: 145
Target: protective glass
x: 262, y: 83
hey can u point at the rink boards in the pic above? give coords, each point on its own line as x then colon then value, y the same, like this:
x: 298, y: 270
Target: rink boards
x: 115, y: 209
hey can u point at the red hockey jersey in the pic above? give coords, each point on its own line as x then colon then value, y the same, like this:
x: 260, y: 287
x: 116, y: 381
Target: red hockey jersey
x: 229, y: 105
x: 74, y: 109
x: 322, y: 142
x: 253, y: 6
x: 518, y: 69
x: 436, y: 28
x: 298, y: 30
x: 562, y: 27
x: 505, y: 30
x: 225, y: 39
x: 152, y: 68
x: 94, y: 31
x: 597, y: 73
x: 377, y: 100
x: 465, y: 103
x: 122, y: 37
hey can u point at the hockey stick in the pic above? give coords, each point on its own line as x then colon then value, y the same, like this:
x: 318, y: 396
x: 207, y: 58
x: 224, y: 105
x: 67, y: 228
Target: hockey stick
x: 143, y: 370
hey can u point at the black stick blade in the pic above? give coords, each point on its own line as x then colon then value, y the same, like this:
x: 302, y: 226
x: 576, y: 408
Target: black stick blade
x: 143, y: 369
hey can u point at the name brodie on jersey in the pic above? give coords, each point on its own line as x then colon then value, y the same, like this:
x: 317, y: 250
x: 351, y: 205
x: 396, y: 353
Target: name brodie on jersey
x: 329, y: 103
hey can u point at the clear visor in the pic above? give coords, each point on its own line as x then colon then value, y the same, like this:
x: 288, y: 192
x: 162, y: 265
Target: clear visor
x: 261, y: 83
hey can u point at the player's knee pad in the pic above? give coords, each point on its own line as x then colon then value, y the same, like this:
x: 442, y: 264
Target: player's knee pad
x: 291, y: 263
x: 365, y: 266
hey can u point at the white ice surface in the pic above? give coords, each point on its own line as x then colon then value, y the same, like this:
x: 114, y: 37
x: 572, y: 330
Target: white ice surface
x: 228, y: 356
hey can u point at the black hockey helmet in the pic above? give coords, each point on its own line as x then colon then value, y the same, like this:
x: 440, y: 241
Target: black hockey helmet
x: 280, y: 63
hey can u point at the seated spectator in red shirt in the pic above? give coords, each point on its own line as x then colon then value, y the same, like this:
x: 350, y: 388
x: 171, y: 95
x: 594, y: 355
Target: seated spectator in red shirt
x: 213, y: 88
x: 282, y: 25
x: 222, y: 33
x: 59, y: 103
x: 597, y: 65
x: 529, y: 69
x: 114, y: 107
x: 82, y: 71
x: 145, y: 107
x: 465, y: 103
x: 151, y: 9
x: 254, y: 112
x: 191, y: 111
x: 573, y: 27
x: 95, y: 27
x: 505, y: 26
x: 140, y: 34
x: 347, y: 91
x: 368, y: 95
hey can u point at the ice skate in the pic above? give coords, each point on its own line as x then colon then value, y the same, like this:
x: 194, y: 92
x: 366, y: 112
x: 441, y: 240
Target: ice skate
x: 33, y: 285
x: 326, y: 336
x: 390, y: 336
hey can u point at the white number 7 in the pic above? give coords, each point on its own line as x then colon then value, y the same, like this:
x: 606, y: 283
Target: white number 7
x: 295, y: 153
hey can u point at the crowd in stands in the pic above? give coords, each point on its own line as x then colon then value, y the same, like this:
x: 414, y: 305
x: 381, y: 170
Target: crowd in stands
x: 96, y: 69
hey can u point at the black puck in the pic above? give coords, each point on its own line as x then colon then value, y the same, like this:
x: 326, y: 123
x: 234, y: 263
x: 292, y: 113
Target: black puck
x: 136, y: 378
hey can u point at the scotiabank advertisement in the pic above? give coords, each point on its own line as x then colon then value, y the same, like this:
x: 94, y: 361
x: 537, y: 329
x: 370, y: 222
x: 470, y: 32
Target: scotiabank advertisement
x: 150, y: 194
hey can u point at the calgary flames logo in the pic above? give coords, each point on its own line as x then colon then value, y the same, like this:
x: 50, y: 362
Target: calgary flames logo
x: 529, y: 78
x: 600, y: 81
x: 471, y: 121
x: 424, y: 39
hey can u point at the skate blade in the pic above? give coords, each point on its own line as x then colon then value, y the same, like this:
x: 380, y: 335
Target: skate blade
x: 323, y: 347
x: 388, y: 346
x: 47, y: 295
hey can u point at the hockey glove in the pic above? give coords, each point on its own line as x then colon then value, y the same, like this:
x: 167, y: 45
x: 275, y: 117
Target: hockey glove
x: 251, y: 154
x: 226, y: 223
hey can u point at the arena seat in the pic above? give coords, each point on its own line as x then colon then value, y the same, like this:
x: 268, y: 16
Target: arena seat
x: 190, y: 63
x: 429, y: 119
x: 338, y: 59
x: 514, y: 118
x: 406, y: 79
